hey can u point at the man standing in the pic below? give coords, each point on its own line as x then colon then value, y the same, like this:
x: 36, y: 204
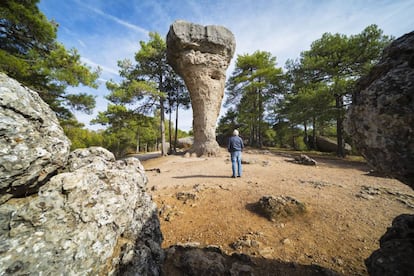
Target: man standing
x: 235, y: 147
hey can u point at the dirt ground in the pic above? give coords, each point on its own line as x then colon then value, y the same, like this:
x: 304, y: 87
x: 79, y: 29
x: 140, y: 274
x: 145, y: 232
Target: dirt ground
x: 348, y: 208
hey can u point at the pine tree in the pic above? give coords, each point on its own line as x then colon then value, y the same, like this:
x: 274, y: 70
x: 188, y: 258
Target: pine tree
x: 148, y: 85
x: 253, y: 84
x: 30, y: 54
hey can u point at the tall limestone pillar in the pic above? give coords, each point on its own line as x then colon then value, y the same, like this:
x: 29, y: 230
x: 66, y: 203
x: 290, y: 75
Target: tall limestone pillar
x: 201, y: 55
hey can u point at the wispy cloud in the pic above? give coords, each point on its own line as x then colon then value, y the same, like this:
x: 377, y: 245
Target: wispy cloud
x: 81, y: 43
x: 103, y: 67
x: 115, y: 19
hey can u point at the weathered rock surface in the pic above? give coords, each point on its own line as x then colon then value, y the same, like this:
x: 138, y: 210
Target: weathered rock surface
x: 32, y: 143
x: 370, y: 193
x: 325, y: 144
x: 396, y: 253
x: 305, y: 160
x: 279, y: 207
x: 188, y: 259
x: 82, y: 213
x: 185, y: 142
x: 93, y: 219
x: 201, y: 55
x: 381, y: 119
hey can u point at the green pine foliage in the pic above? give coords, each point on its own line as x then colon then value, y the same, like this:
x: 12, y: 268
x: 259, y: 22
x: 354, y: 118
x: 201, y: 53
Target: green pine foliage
x: 149, y: 87
x: 325, y: 77
x: 30, y: 53
x: 254, y: 84
x: 310, y: 98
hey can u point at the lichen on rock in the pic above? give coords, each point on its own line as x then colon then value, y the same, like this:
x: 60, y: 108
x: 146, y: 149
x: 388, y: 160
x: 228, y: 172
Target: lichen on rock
x: 62, y: 213
x: 32, y: 143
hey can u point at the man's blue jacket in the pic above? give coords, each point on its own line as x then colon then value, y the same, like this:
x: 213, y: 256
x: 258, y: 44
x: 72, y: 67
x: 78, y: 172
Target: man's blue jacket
x: 235, y: 144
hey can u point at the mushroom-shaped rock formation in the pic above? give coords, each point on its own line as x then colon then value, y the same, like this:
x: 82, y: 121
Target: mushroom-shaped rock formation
x: 201, y: 55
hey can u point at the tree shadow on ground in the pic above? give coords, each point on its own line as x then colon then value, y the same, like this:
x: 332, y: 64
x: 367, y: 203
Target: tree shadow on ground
x: 211, y: 260
x: 328, y: 161
x: 336, y: 162
x: 378, y: 174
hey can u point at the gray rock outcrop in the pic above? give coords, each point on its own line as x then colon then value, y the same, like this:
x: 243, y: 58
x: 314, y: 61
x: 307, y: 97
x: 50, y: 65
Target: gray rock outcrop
x: 279, y: 207
x: 32, y: 143
x: 93, y: 219
x: 189, y: 259
x: 325, y: 144
x: 305, y: 160
x: 396, y: 253
x: 90, y: 215
x: 185, y: 142
x: 381, y: 118
x: 201, y: 55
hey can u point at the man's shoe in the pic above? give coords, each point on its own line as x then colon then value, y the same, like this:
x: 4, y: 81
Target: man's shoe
x: 233, y: 176
x: 239, y: 176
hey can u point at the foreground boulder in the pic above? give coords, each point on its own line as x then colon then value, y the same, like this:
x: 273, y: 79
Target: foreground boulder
x: 201, y: 55
x: 381, y: 118
x: 93, y: 219
x: 32, y: 143
x: 82, y: 213
x: 396, y: 254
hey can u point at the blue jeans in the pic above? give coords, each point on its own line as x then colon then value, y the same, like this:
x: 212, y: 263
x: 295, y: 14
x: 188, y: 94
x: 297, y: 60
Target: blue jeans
x: 236, y: 161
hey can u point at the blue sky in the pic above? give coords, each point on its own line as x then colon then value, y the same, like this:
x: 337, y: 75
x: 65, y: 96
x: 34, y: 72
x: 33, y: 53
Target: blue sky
x: 105, y: 31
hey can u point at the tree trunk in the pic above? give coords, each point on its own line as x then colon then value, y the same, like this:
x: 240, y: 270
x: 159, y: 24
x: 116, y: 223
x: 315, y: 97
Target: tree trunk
x: 170, y: 150
x: 306, y: 138
x: 259, y: 117
x: 315, y: 147
x: 176, y: 128
x: 259, y: 133
x: 162, y: 128
x: 137, y: 150
x: 305, y: 128
x: 293, y: 139
x: 251, y: 134
x: 339, y: 127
